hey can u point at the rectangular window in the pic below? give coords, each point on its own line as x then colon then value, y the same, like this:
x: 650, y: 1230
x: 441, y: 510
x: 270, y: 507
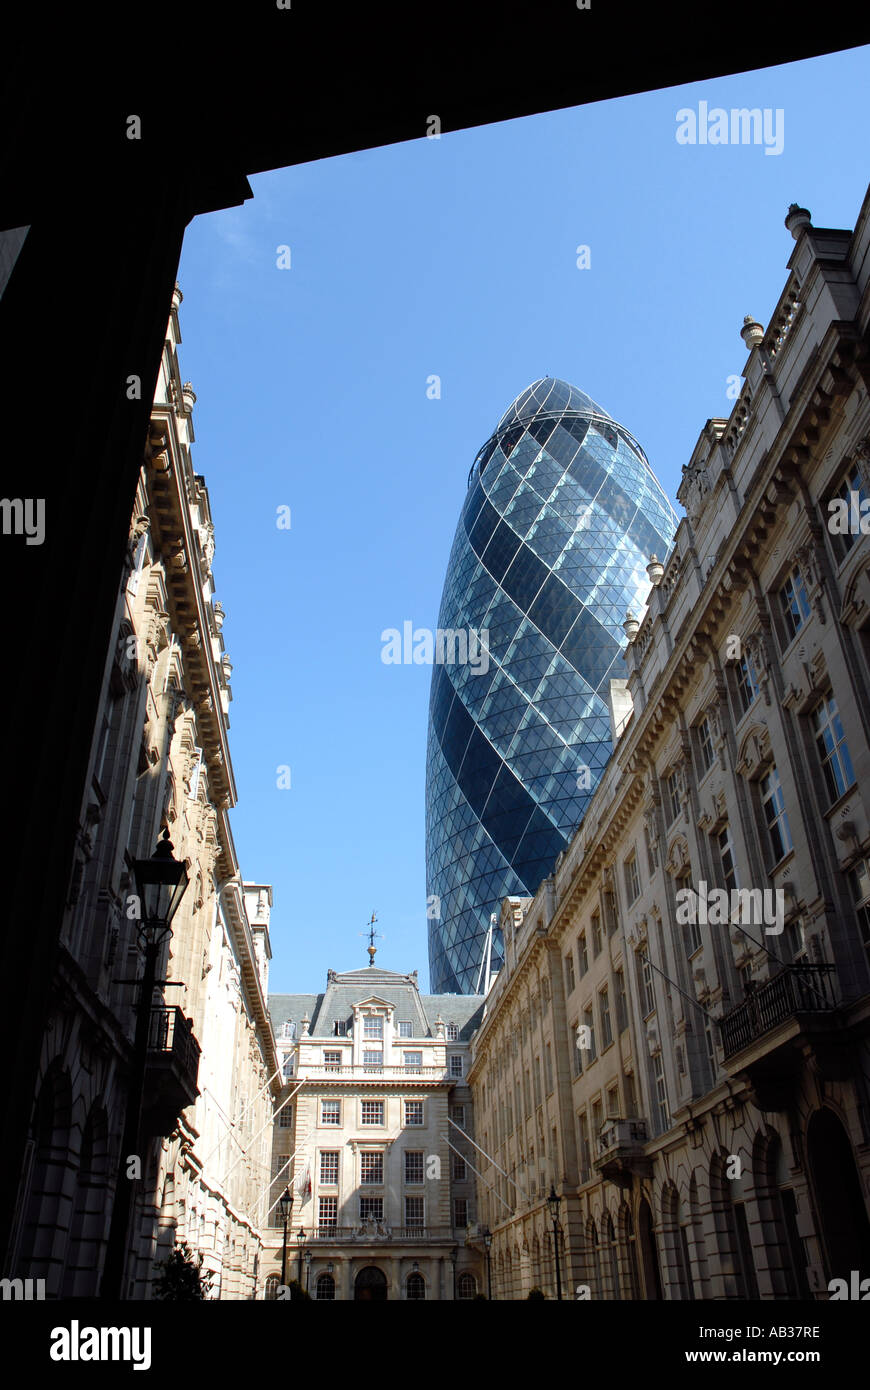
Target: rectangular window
x: 746, y: 683
x: 604, y: 1011
x: 583, y: 1125
x: 458, y: 1169
x: 329, y: 1167
x: 457, y: 1115
x: 413, y: 1112
x: 727, y: 858
x: 339, y: 1028
x: 613, y: 1103
x: 372, y: 1112
x: 285, y: 1118
x: 673, y: 806
x: 692, y: 927
x: 331, y: 1060
x: 596, y: 934
x: 569, y: 975
x: 405, y: 1030
x: 794, y: 604
x: 832, y: 748
x: 705, y: 745
x: 589, y: 1022
x: 373, y: 1026
x: 413, y: 1165
x: 327, y: 1213
x: 455, y: 1064
x: 852, y: 492
x: 453, y: 1032
x: 662, y: 1112
x: 372, y: 1168
x: 414, y: 1213
x: 413, y: 1061
x: 548, y: 1069
x: 621, y: 1002
x: 710, y: 1044
x: 773, y: 803
x: 582, y: 957
x: 795, y: 942
x: 330, y: 1112
x: 577, y: 1052
x: 648, y: 994
x: 371, y: 1208
x: 632, y: 879
x: 460, y: 1212
x: 373, y: 1059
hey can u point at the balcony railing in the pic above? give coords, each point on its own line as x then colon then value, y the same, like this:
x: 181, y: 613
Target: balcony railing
x: 797, y: 989
x: 171, y: 1070
x: 317, y: 1069
x: 622, y: 1134
x: 368, y: 1231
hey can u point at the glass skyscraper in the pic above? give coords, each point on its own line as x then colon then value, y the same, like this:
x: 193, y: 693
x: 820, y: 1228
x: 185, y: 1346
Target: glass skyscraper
x: 560, y: 519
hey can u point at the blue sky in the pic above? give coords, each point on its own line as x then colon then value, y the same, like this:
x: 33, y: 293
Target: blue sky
x: 457, y: 258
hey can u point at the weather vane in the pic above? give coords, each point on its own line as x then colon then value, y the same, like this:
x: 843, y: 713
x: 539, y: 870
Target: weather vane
x: 371, y: 934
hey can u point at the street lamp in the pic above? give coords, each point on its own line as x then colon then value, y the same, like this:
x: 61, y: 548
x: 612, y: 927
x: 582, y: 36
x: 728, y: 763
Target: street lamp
x: 285, y: 1202
x: 554, y: 1202
x: 161, y: 882
x: 486, y: 1234
x: 454, y: 1256
x: 300, y: 1236
x: 307, y: 1269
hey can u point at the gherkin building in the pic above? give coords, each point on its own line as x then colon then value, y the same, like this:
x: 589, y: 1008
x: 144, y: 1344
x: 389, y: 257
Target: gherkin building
x: 560, y: 519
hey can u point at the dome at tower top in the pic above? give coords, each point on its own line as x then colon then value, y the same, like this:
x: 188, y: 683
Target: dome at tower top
x: 548, y: 396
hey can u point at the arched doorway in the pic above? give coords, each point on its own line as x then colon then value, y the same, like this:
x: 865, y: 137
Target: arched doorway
x: 370, y: 1283
x: 840, y: 1209
x: 652, y: 1279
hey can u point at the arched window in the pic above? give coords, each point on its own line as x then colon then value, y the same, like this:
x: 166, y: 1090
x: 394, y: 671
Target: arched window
x: 466, y: 1285
x: 415, y: 1286
x: 325, y: 1288
x: 271, y: 1291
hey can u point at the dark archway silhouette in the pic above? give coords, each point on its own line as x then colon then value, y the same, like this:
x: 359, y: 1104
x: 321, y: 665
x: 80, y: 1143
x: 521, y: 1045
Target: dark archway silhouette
x: 842, y: 1215
x: 370, y: 1284
x: 652, y: 1279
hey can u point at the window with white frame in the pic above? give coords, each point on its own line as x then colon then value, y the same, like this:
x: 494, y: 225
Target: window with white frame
x: 460, y: 1212
x: 413, y: 1166
x: 604, y: 1012
x: 414, y: 1212
x: 745, y: 683
x: 851, y: 490
x: 457, y: 1115
x: 705, y: 745
x: 794, y: 603
x: 371, y: 1168
x: 455, y: 1064
x: 330, y: 1112
x: 832, y: 748
x: 371, y: 1208
x: 569, y: 974
x: 621, y: 1001
x: 776, y: 819
x: 727, y: 858
x: 373, y: 1059
x: 452, y: 1032
x: 327, y: 1213
x: 466, y: 1284
x: 632, y: 878
x: 413, y: 1112
x: 329, y: 1167
x: 582, y: 954
x: 413, y: 1061
x: 589, y: 1054
x: 662, y: 1112
x: 458, y: 1168
x: 710, y: 1044
x: 596, y: 934
x: 405, y: 1029
x: 331, y: 1060
x: 373, y: 1026
x: 648, y: 994
x: 371, y: 1112
x: 339, y: 1028
x: 673, y: 805
x: 285, y: 1117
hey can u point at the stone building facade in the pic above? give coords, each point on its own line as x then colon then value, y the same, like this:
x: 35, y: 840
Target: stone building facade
x: 679, y: 1040
x: 374, y: 1136
x: 159, y: 759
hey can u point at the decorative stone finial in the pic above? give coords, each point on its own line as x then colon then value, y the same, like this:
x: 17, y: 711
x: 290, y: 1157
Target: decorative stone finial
x: 655, y: 569
x: 189, y: 396
x: 631, y: 626
x: 752, y: 332
x: 797, y: 218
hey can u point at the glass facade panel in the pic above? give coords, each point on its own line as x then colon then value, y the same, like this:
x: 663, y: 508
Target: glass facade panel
x: 562, y: 514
